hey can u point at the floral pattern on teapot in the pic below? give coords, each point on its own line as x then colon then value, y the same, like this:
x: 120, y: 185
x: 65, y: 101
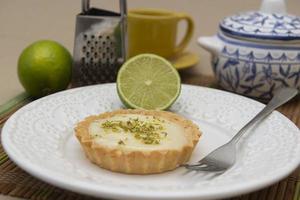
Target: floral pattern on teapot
x: 256, y: 70
x: 262, y: 25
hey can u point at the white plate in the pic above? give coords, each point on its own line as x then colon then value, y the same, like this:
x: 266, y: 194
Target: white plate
x: 40, y: 139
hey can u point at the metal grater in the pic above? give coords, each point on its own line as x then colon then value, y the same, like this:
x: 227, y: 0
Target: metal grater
x: 100, y: 44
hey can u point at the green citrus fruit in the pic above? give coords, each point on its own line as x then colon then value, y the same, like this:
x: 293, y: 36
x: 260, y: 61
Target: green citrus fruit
x: 148, y: 81
x: 44, y: 67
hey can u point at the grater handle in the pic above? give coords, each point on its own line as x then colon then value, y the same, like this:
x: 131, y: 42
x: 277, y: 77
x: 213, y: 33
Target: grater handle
x: 85, y: 6
x: 123, y: 7
x: 123, y: 12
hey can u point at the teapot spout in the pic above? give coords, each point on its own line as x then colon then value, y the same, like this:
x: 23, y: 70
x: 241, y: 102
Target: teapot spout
x: 211, y: 44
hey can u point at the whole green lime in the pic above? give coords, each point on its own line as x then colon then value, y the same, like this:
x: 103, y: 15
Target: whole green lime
x: 44, y: 67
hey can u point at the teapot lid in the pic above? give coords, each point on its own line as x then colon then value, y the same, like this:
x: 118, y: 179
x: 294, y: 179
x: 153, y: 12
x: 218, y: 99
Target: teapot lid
x: 271, y: 22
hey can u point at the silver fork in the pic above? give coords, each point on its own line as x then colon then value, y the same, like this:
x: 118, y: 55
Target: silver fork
x: 224, y: 157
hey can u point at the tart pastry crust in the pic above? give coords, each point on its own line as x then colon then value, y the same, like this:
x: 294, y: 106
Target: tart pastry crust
x: 137, y: 161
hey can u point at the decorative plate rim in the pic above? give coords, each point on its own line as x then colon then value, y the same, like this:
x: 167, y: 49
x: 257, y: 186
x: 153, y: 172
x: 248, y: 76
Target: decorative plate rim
x: 71, y: 184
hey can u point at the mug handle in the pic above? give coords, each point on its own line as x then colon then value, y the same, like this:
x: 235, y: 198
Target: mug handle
x: 189, y: 32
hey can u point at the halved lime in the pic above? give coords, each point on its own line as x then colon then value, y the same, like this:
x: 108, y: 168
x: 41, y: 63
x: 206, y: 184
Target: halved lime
x: 148, y: 81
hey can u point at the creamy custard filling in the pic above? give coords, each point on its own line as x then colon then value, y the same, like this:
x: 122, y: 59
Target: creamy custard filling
x: 118, y: 132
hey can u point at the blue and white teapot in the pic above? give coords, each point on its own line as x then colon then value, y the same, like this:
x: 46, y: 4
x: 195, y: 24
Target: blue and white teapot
x: 254, y: 53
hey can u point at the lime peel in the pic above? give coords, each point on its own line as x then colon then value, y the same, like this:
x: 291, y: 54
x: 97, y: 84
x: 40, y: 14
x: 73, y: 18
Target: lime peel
x: 44, y: 67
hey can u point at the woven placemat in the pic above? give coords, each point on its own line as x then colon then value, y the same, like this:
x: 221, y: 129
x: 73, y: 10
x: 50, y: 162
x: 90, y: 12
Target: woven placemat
x: 15, y: 182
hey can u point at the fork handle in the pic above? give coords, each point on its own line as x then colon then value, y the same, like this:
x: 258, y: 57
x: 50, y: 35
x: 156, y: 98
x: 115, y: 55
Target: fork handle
x: 280, y: 97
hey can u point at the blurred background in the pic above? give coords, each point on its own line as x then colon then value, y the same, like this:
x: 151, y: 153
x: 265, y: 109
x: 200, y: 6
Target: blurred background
x: 23, y: 22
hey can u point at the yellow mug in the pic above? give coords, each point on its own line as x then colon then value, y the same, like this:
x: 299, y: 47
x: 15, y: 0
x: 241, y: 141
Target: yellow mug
x: 155, y: 31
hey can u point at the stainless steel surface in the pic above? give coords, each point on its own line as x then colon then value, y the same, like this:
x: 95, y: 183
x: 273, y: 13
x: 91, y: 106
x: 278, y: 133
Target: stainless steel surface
x: 99, y: 47
x: 224, y: 157
x: 85, y: 5
x: 123, y: 11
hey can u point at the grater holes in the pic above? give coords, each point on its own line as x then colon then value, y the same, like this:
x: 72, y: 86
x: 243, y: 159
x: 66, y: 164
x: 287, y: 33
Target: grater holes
x: 99, y: 58
x: 84, y: 36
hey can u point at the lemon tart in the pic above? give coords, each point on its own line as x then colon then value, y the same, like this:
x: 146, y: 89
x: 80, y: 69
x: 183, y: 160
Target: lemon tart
x: 137, y: 141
